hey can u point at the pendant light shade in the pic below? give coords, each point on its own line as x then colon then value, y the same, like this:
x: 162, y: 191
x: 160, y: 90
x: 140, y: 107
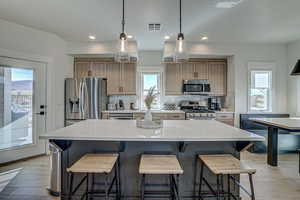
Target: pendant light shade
x: 180, y: 51
x: 122, y: 45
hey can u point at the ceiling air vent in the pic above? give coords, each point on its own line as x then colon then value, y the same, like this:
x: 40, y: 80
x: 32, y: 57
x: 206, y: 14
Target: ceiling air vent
x: 154, y: 27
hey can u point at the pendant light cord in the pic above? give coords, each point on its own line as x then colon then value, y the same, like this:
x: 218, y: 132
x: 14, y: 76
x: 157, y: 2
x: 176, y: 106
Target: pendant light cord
x: 123, y: 17
x: 180, y: 16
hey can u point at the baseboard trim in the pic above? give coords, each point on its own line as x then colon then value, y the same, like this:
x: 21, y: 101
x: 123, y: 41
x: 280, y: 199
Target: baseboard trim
x: 20, y: 160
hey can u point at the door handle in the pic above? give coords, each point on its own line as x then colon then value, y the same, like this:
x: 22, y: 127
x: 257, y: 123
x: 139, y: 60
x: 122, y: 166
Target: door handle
x: 41, y: 113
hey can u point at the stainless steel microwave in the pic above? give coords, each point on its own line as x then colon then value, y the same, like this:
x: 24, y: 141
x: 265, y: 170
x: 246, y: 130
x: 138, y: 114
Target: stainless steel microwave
x: 200, y: 87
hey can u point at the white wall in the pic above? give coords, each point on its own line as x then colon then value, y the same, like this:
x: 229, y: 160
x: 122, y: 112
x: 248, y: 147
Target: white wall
x: 27, y: 43
x: 293, y: 54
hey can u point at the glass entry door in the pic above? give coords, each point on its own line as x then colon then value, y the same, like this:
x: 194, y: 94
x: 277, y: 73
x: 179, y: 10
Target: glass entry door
x: 22, y: 108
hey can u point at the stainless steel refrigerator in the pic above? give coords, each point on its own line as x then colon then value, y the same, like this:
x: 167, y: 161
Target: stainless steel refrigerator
x: 85, y: 98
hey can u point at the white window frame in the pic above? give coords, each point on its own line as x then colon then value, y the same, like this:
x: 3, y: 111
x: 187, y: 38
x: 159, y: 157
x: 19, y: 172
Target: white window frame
x: 149, y: 70
x: 262, y: 67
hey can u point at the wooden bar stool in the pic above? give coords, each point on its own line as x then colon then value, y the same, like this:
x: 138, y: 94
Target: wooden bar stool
x: 224, y: 165
x: 160, y: 165
x: 96, y: 164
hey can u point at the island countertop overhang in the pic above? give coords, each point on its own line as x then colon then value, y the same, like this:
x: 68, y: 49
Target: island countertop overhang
x: 173, y: 131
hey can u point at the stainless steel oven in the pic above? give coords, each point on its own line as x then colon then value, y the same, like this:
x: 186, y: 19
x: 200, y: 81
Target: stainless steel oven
x: 196, y: 87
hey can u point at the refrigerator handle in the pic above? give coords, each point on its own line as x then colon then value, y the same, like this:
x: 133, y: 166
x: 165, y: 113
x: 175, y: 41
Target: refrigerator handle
x: 82, y: 99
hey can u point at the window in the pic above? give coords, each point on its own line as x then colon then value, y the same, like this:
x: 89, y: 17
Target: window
x: 260, y: 91
x: 151, y: 79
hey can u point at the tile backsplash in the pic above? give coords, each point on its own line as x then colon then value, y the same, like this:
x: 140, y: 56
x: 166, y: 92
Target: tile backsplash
x: 127, y: 99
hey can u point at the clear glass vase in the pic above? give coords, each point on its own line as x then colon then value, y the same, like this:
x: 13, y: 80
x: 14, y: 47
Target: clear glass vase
x: 148, y: 115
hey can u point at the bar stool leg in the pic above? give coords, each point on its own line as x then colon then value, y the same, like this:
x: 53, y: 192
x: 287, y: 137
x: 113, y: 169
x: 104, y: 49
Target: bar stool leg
x: 117, y: 180
x: 228, y: 186
x: 222, y: 186
x: 252, y: 187
x: 218, y: 187
x: 71, y: 185
x: 93, y: 185
x: 200, y: 181
x: 106, y: 186
x: 143, y: 187
x: 171, y: 187
x: 87, y: 187
x: 177, y: 185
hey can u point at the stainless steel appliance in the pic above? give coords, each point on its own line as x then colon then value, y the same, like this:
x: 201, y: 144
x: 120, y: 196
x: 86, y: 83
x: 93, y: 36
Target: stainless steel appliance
x: 214, y: 103
x: 196, y: 87
x: 195, y: 111
x: 85, y: 98
x: 120, y: 116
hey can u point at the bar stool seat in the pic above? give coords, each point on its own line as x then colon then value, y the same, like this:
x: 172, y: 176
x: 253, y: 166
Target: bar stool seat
x: 159, y: 164
x: 94, y: 163
x: 225, y: 164
x: 163, y: 165
x: 91, y: 164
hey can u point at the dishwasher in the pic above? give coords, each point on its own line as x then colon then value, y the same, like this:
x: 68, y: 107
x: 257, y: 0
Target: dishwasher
x: 120, y: 116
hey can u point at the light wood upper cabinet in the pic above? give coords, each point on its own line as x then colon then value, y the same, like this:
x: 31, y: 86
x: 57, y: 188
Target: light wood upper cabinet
x: 217, y: 73
x: 121, y: 78
x: 173, y: 79
x: 214, y: 71
x: 82, y: 69
x: 99, y: 69
x: 193, y: 71
x: 201, y: 71
x: 188, y: 70
x: 128, y: 79
x: 114, y: 79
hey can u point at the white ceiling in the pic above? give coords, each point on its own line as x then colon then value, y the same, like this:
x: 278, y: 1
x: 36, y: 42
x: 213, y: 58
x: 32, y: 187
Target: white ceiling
x: 255, y: 21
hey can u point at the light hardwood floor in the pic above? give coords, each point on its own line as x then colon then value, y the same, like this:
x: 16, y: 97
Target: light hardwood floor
x: 282, y: 183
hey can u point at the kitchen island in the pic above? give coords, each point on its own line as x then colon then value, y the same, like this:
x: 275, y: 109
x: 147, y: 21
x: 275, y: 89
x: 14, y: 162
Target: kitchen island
x: 186, y: 139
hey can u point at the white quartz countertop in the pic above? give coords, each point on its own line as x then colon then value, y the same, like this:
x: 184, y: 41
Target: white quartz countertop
x: 173, y: 130
x: 142, y: 111
x: 286, y: 123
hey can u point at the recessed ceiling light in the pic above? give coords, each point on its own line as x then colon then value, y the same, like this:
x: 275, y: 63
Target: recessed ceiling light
x: 228, y: 3
x: 129, y: 36
x: 92, y: 37
x: 167, y: 37
x: 204, y: 38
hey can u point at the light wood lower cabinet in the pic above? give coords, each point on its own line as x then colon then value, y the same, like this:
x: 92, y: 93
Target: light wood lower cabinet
x: 162, y: 116
x: 227, y: 118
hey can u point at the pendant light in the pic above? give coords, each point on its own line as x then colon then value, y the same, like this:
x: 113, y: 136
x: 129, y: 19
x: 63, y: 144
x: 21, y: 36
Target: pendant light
x: 122, y: 54
x: 180, y: 51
